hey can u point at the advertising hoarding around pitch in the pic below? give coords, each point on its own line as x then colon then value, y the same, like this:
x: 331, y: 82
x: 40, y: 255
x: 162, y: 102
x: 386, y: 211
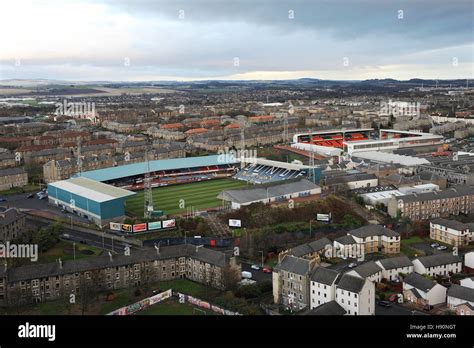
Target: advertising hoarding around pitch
x: 139, y: 227
x: 114, y: 226
x: 126, y: 228
x: 169, y: 223
x: 154, y: 225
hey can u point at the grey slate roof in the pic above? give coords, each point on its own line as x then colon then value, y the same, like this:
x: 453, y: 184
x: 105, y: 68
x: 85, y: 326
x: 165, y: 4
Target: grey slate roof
x: 8, y: 216
x: 373, y: 230
x: 320, y: 244
x: 262, y: 192
x: 308, y: 248
x: 456, y: 225
x: 458, y: 191
x: 52, y: 269
x: 328, y: 308
x: 419, y: 282
x: 293, y: 264
x: 438, y: 260
x: 462, y: 292
x: 345, y: 240
x: 301, y: 250
x: 367, y: 269
x: 396, y: 262
x: 351, y: 283
x: 324, y: 276
x: 12, y: 171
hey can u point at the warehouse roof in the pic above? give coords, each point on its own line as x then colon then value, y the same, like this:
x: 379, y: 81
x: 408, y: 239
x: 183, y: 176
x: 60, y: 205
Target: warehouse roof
x: 91, y: 189
x: 128, y: 170
x: 266, y: 191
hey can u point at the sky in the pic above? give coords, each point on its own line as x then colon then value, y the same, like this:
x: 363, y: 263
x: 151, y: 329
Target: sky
x: 144, y: 40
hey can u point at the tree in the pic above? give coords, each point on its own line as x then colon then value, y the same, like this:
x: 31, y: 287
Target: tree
x: 47, y: 237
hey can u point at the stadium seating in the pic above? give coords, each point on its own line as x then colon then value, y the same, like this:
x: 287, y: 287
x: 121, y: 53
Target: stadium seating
x: 259, y: 174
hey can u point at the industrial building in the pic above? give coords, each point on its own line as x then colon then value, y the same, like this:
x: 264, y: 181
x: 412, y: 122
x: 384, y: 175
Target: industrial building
x: 270, y: 193
x: 96, y: 201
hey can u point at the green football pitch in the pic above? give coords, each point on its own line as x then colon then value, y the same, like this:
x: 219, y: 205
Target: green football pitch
x: 200, y: 195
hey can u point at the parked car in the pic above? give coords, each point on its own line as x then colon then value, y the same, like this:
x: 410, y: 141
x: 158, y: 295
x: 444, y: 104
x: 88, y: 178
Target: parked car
x: 393, y: 298
x: 442, y: 247
x: 42, y: 196
x: 3, y: 199
x: 246, y: 275
x: 434, y: 245
x: 31, y: 195
x: 385, y: 304
x: 352, y: 265
x: 255, y: 267
x: 267, y: 270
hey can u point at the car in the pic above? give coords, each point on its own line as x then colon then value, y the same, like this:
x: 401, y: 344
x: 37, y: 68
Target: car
x: 267, y: 270
x: 255, y: 267
x: 434, y: 245
x: 3, y: 199
x: 442, y: 247
x: 352, y: 265
x: 393, y: 298
x: 385, y: 304
x: 42, y: 196
x: 31, y: 195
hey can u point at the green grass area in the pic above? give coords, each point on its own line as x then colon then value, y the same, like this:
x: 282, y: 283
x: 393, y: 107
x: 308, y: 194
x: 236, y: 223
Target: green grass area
x: 412, y: 240
x: 64, y: 250
x: 17, y: 190
x: 200, y: 195
x: 173, y: 307
x: 189, y: 288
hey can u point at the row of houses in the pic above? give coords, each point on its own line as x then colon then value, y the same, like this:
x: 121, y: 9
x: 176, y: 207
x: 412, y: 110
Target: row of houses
x: 300, y: 282
x: 43, y: 282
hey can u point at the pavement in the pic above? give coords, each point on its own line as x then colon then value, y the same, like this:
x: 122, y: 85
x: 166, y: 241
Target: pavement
x: 258, y: 276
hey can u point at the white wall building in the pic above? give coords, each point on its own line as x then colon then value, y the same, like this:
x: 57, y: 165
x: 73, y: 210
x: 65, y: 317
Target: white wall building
x: 322, y: 286
x: 356, y: 295
x: 392, y: 267
x: 438, y: 264
x: 423, y: 291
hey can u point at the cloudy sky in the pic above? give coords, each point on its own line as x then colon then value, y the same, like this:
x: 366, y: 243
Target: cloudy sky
x: 135, y: 40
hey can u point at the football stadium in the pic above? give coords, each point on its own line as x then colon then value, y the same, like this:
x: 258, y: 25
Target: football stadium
x: 335, y: 142
x: 177, y: 184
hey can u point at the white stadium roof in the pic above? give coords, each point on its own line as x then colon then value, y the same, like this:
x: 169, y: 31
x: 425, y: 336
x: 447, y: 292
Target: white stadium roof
x: 386, y: 157
x: 91, y: 189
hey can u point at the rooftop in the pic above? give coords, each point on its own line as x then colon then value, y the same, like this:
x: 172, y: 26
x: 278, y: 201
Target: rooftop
x: 134, y: 169
x: 91, y: 189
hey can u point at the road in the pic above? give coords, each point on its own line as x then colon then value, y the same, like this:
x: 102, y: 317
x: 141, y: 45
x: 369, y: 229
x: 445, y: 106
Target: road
x: 395, y: 309
x: 258, y: 276
x: 105, y: 243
